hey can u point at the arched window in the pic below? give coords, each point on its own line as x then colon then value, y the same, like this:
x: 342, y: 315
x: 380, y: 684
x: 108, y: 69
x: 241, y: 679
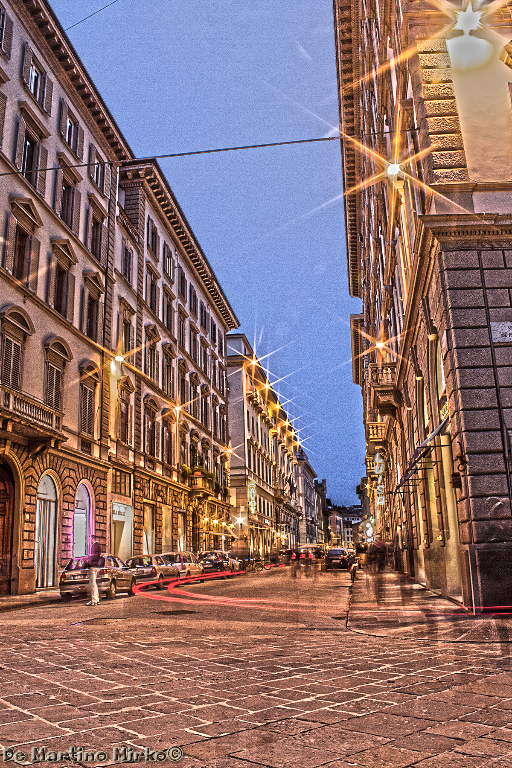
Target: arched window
x: 81, y: 521
x: 45, y: 532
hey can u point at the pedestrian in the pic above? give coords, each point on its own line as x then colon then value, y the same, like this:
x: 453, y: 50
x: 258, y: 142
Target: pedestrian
x: 94, y: 561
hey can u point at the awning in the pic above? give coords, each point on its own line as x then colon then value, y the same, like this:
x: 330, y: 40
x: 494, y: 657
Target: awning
x: 420, y: 453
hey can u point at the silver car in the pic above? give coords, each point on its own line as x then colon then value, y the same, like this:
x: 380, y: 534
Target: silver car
x: 113, y: 577
x: 152, y: 568
x: 186, y: 562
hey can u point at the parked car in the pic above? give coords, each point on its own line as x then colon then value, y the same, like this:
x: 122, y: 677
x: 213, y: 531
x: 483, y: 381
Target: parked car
x: 113, y: 576
x: 336, y: 558
x: 186, y: 563
x: 234, y: 563
x: 152, y: 568
x: 213, y: 561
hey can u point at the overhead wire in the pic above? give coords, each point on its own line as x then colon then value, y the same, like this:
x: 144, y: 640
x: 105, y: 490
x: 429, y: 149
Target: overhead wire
x: 119, y: 163
x: 90, y: 15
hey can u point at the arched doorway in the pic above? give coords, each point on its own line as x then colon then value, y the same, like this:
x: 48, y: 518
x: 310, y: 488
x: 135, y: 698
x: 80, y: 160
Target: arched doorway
x: 81, y: 521
x: 45, y: 532
x: 6, y: 526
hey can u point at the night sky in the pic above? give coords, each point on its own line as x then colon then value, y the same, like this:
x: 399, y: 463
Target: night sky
x: 191, y: 75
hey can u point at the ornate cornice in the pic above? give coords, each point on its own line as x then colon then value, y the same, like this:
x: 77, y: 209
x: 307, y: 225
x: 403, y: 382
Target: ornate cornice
x: 159, y: 190
x: 54, y: 43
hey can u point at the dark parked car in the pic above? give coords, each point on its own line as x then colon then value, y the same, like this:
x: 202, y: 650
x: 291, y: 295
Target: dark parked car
x: 213, y: 562
x: 337, y: 558
x: 113, y: 577
x: 152, y: 568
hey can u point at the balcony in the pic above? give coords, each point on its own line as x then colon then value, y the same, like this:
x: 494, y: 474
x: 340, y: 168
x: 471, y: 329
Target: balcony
x: 30, y: 418
x: 385, y: 397
x: 370, y: 465
x: 376, y: 431
x: 201, y: 482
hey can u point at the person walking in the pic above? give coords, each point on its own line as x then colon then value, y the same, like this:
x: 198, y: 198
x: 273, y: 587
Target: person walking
x: 94, y: 561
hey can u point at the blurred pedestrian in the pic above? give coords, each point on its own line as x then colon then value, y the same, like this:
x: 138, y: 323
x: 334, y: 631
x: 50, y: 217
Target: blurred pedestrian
x: 94, y: 561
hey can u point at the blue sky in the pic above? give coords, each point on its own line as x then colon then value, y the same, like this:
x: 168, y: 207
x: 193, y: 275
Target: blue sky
x: 181, y: 76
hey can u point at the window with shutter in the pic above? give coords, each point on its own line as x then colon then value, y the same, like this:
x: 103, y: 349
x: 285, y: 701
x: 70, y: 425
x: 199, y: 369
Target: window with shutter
x: 11, y: 363
x: 54, y: 387
x: 87, y: 416
x: 6, y: 27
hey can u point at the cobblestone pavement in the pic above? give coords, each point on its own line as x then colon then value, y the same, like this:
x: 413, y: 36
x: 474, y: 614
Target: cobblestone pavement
x: 260, y: 671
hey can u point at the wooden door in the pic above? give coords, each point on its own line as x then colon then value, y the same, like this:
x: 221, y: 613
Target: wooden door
x: 6, y: 522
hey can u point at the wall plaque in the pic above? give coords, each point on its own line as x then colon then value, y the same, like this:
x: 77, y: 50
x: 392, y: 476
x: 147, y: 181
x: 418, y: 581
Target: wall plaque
x: 501, y: 332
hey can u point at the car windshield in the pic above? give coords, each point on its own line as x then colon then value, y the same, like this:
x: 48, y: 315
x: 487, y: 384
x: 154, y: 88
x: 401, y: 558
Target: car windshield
x: 208, y: 556
x: 145, y: 562
x: 171, y: 558
x: 337, y: 552
x: 82, y: 563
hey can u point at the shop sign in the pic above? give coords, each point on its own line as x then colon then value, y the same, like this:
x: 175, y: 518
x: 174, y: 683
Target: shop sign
x: 252, y: 497
x: 120, y: 511
x: 380, y: 487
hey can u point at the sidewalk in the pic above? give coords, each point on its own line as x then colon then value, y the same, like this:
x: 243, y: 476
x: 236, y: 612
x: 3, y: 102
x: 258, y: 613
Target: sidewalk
x: 390, y: 605
x: 15, y: 602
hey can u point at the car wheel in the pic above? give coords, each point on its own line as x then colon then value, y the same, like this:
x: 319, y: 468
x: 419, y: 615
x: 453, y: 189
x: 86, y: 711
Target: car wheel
x: 187, y: 573
x: 132, y: 584
x: 111, y: 591
x: 66, y: 597
x: 232, y: 569
x: 160, y: 580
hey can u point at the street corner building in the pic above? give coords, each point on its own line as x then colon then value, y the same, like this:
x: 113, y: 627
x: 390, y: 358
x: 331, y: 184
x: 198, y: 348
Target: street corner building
x: 425, y: 105
x: 113, y: 393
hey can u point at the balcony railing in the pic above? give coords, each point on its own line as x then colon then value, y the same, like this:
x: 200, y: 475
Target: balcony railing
x: 382, y: 374
x: 376, y: 430
x: 30, y: 408
x: 370, y: 464
x: 201, y: 483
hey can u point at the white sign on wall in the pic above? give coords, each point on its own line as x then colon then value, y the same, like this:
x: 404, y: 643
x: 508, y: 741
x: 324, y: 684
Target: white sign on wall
x: 501, y: 332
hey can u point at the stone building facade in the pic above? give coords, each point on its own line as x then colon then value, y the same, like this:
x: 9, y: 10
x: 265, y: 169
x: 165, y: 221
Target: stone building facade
x: 169, y: 416
x: 264, y: 457
x: 310, y: 526
x: 88, y: 442
x: 58, y: 146
x: 427, y: 178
